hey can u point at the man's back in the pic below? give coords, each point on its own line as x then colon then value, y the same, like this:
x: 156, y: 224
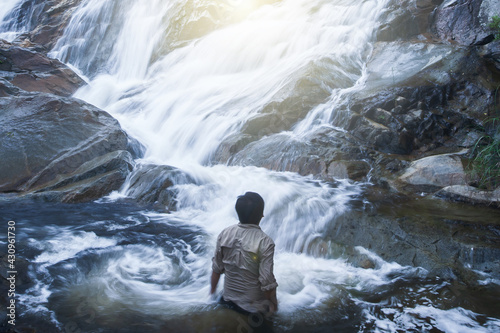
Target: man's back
x: 245, y: 254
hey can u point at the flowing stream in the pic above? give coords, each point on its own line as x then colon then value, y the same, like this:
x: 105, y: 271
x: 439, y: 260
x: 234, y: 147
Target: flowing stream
x: 182, y: 76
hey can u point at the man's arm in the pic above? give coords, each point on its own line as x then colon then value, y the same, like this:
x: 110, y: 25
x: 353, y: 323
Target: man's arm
x: 217, y: 267
x: 266, y: 276
x: 273, y: 301
x: 214, y: 280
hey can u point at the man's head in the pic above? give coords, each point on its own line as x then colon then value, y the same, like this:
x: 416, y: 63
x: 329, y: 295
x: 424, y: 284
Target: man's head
x: 250, y: 208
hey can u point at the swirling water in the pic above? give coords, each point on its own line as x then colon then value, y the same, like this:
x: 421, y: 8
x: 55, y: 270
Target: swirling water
x: 182, y: 76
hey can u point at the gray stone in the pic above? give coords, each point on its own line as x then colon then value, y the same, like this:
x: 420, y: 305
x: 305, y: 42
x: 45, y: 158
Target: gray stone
x: 435, y: 171
x: 491, y: 53
x: 460, y: 21
x: 355, y: 170
x: 153, y: 184
x: 62, y: 145
x: 418, y: 234
x: 470, y: 194
x: 45, y: 20
x: 32, y: 71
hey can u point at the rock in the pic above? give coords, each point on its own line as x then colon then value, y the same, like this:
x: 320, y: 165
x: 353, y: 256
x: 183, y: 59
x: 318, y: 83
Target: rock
x: 152, y: 184
x: 326, y: 153
x: 435, y: 172
x: 45, y: 20
x: 230, y: 146
x: 92, y: 180
x: 470, y: 194
x: 414, y: 115
x: 400, y: 231
x: 7, y: 88
x: 355, y: 170
x: 32, y: 71
x: 379, y: 136
x: 135, y: 148
x: 469, y: 139
x: 491, y: 53
x: 464, y: 21
x: 280, y: 153
x: 403, y: 20
x: 60, y: 145
x: 414, y: 64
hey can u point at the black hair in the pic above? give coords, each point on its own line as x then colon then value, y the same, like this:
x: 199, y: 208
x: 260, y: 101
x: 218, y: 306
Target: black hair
x: 250, y: 208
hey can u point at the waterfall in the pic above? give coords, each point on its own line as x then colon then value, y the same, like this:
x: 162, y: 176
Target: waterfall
x: 10, y: 26
x: 181, y: 76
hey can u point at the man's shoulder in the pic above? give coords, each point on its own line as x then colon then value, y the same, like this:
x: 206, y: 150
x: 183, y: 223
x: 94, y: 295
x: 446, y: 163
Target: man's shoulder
x: 229, y: 229
x: 267, y: 239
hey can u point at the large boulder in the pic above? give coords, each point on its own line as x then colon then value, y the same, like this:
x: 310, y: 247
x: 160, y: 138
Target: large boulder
x: 465, y: 21
x: 327, y: 154
x: 60, y: 148
x: 154, y: 185
x: 418, y: 233
x: 435, y: 172
x: 30, y: 70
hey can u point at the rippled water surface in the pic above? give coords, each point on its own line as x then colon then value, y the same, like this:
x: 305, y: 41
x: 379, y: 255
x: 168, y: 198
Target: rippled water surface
x: 114, y: 266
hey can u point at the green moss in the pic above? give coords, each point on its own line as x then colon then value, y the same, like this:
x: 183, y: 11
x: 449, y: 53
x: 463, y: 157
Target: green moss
x: 495, y: 25
x: 484, y: 166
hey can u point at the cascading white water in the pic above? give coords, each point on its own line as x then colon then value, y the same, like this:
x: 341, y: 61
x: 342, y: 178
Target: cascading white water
x: 181, y: 102
x: 181, y: 76
x: 12, y: 30
x: 182, y: 85
x: 183, y: 105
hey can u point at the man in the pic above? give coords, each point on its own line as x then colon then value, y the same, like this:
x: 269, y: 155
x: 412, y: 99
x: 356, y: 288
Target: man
x: 246, y: 255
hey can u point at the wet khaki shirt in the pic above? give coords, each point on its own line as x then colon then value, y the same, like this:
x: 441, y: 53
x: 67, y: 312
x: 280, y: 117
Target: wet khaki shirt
x: 245, y: 254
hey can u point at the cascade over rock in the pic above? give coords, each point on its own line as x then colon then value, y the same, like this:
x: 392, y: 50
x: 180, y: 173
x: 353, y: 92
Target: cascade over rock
x: 340, y: 113
x: 45, y: 20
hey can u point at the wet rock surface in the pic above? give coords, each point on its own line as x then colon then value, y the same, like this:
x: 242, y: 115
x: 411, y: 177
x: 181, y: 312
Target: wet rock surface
x: 61, y: 145
x: 418, y: 105
x: 435, y: 171
x: 153, y: 184
x: 469, y: 194
x: 47, y: 21
x: 444, y: 238
x: 30, y: 70
x: 431, y: 85
x: 464, y: 21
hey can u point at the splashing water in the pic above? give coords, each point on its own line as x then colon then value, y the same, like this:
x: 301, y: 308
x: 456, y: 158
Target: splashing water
x: 182, y: 85
x: 9, y: 28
